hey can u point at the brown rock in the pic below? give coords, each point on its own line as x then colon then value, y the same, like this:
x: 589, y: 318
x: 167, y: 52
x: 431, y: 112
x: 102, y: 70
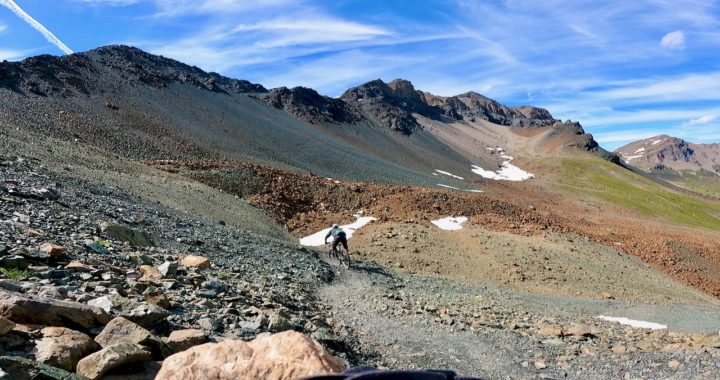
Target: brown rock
x: 53, y: 249
x: 6, y: 325
x: 579, y: 330
x: 22, y: 308
x: 619, y: 349
x: 181, y: 340
x: 551, y: 331
x: 123, y: 330
x: 79, y: 266
x: 118, y: 355
x: 63, y: 348
x: 196, y: 261
x: 149, y: 274
x: 674, y: 364
x: 286, y: 355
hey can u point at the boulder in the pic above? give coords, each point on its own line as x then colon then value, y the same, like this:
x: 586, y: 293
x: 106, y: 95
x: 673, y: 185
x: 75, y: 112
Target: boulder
x: 287, y: 355
x: 280, y: 321
x: 103, y: 302
x: 63, y: 348
x: 17, y: 368
x: 122, y: 233
x: 6, y: 325
x: 21, y: 308
x: 181, y: 340
x: 551, y: 331
x: 123, y: 330
x: 196, y: 261
x: 53, y: 250
x: 119, y: 355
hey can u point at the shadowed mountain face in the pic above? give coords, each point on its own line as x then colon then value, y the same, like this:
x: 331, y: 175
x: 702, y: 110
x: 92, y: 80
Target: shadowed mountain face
x: 665, y: 153
x: 137, y: 105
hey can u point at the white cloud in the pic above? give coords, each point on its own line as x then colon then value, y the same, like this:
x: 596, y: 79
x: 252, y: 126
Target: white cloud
x: 10, y: 4
x: 702, y: 120
x: 12, y: 55
x: 113, y: 3
x: 3, y: 27
x: 673, y: 40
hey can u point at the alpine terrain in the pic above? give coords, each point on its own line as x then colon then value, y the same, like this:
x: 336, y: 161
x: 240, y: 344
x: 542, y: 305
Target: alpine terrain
x: 160, y: 221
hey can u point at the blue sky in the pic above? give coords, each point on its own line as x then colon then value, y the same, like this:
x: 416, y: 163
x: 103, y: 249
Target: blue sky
x: 625, y: 69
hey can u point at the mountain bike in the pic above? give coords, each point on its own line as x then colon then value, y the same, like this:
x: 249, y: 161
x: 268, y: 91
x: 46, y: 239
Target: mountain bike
x: 339, y: 254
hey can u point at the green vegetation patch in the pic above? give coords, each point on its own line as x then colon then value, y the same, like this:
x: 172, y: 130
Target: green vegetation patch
x: 615, y: 185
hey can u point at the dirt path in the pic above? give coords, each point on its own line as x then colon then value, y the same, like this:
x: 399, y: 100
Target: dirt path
x: 420, y: 322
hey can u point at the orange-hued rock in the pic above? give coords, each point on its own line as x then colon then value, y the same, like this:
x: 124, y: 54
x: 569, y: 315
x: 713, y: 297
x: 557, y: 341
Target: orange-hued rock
x: 283, y: 356
x: 63, y: 348
x: 196, y: 261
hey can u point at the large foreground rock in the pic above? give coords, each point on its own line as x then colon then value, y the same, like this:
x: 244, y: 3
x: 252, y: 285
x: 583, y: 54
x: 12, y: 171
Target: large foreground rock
x: 21, y: 308
x: 287, y: 355
x: 120, y: 355
x: 63, y: 348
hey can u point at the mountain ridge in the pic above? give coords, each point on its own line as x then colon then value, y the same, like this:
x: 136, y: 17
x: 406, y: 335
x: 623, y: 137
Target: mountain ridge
x: 664, y: 153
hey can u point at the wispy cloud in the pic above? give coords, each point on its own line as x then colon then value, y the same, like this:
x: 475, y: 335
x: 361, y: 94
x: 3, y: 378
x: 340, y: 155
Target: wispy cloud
x: 3, y: 27
x: 114, y: 3
x: 673, y: 40
x: 13, y: 55
x: 702, y: 120
x: 10, y: 4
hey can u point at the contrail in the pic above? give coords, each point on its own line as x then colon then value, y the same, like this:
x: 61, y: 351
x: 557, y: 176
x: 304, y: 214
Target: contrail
x: 36, y: 25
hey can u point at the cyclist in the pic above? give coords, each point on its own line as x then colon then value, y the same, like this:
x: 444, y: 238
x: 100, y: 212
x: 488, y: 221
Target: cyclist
x: 339, y: 236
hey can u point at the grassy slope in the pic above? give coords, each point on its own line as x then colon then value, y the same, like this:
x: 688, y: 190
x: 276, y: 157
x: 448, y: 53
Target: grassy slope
x: 699, y: 183
x: 602, y: 180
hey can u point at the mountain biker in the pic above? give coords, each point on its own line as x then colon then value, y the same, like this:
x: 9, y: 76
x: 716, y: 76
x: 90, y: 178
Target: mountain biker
x: 339, y: 236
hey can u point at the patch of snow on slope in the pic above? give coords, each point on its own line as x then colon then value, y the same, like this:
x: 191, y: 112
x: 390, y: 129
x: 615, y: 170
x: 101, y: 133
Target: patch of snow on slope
x: 507, y: 172
x: 634, y: 323
x: 317, y: 239
x: 450, y: 223
x: 455, y: 188
x: 449, y: 174
x: 640, y: 150
x: 630, y: 158
x: 656, y: 142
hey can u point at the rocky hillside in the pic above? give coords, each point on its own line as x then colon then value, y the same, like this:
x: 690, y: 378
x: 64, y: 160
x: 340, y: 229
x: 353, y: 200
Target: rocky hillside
x: 667, y: 154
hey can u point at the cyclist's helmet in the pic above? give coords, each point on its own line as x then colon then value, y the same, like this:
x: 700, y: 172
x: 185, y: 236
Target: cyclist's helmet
x: 334, y: 225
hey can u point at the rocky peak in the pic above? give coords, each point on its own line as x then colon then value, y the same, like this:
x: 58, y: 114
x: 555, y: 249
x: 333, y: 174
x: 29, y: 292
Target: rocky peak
x: 305, y: 103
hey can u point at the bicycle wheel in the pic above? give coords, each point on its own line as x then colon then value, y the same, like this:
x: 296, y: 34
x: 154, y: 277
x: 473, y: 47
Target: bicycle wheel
x: 343, y: 256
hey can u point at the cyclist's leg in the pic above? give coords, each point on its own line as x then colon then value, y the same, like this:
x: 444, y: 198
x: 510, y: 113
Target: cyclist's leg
x: 336, y: 241
x: 343, y: 240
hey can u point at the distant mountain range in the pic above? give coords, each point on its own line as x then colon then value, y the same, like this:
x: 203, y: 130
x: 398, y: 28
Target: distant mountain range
x: 142, y: 106
x: 662, y: 154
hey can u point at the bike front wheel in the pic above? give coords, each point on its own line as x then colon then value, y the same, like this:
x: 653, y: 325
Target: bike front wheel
x: 343, y: 257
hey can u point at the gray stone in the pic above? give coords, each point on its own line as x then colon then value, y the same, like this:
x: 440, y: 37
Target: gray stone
x: 123, y: 330
x: 17, y: 368
x: 13, y: 262
x: 168, y: 269
x: 21, y: 308
x: 279, y: 321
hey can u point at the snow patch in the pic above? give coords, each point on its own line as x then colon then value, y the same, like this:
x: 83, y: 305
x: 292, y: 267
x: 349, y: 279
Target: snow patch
x: 640, y: 150
x: 634, y: 323
x: 657, y: 142
x: 630, y: 158
x: 455, y: 188
x: 507, y: 172
x: 450, y: 223
x: 448, y: 174
x: 317, y: 239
